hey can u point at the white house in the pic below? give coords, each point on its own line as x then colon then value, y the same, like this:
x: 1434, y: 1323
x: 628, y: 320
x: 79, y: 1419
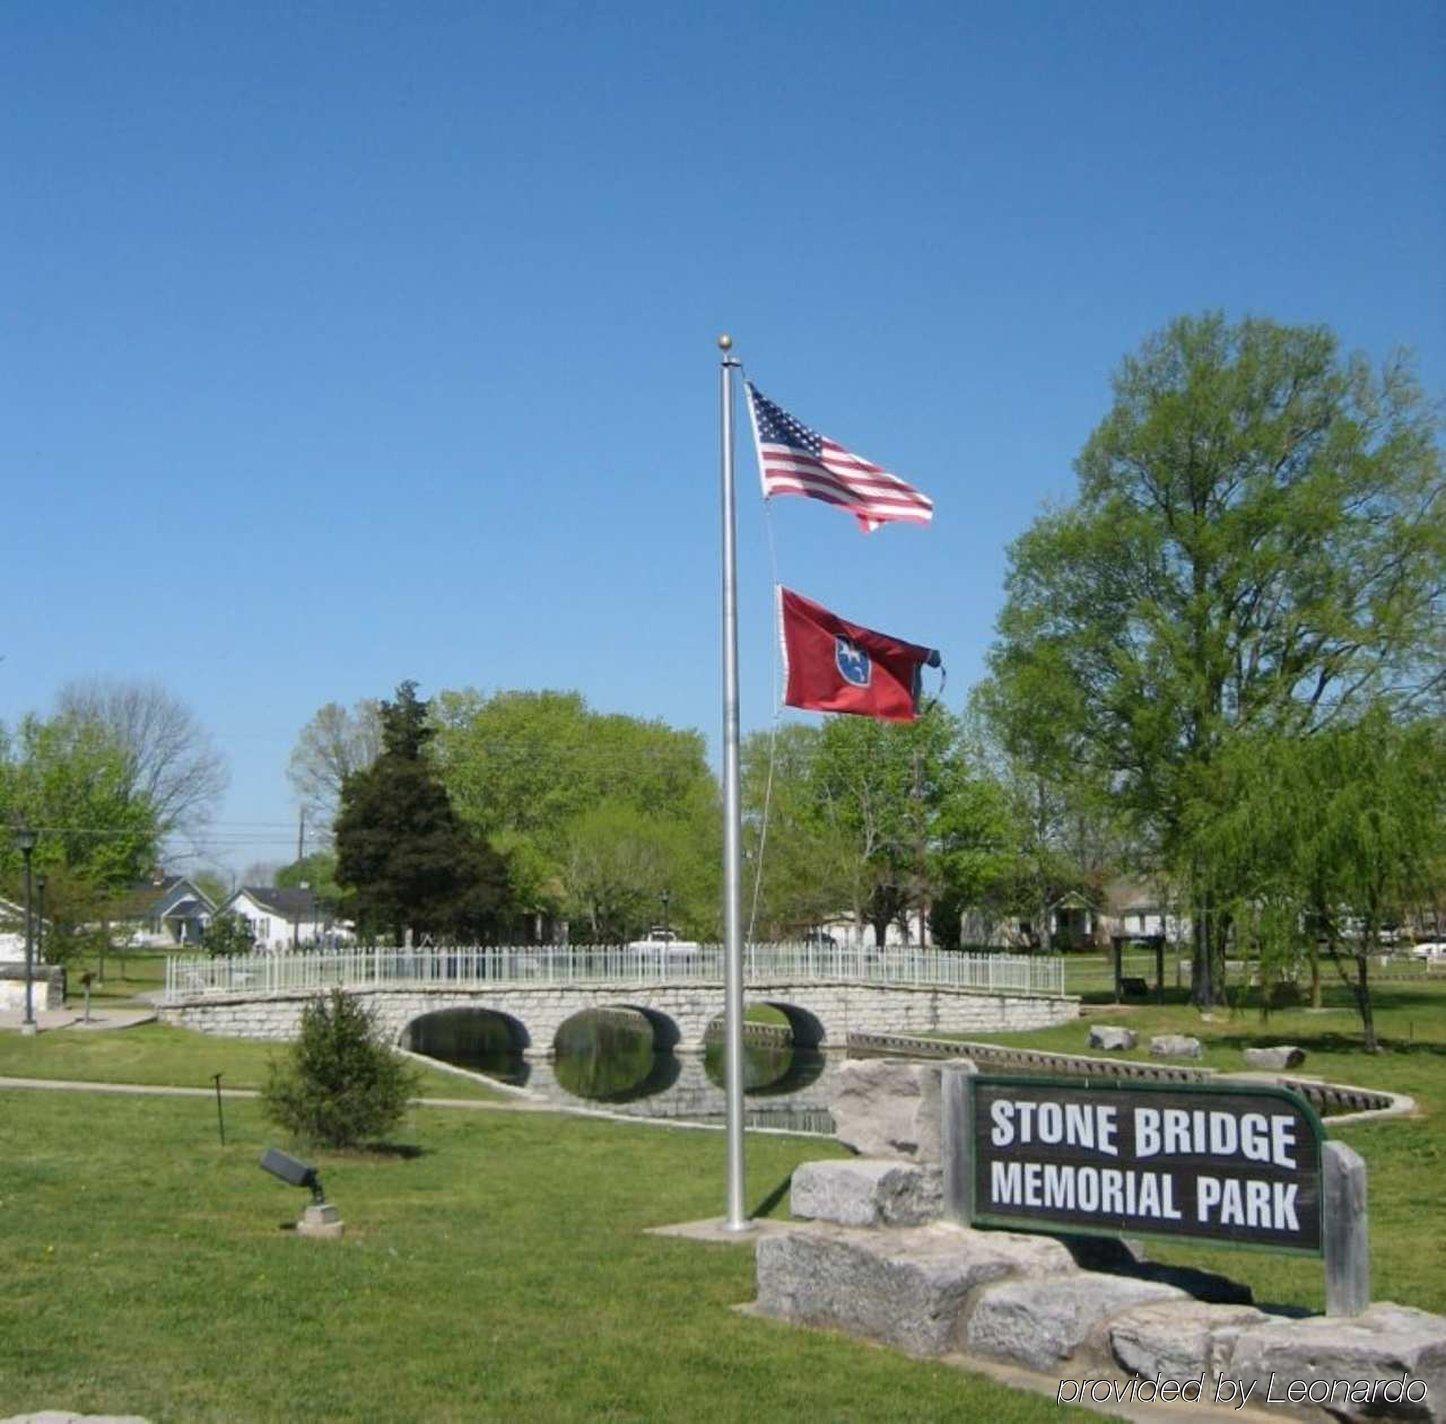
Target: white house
x: 283, y: 919
x: 12, y: 930
x: 1142, y: 910
x: 847, y: 933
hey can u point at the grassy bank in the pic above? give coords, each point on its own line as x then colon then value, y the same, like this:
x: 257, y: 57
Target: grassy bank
x: 501, y: 1275
x: 156, y: 1054
x: 1406, y: 1157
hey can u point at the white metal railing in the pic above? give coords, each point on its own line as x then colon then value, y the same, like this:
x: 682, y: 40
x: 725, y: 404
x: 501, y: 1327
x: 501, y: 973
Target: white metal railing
x: 291, y: 971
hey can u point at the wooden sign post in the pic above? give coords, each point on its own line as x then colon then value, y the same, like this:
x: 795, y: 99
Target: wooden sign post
x: 1246, y: 1165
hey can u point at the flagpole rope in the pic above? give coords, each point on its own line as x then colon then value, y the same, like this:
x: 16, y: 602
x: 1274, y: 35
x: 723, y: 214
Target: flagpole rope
x: 773, y: 661
x: 773, y: 730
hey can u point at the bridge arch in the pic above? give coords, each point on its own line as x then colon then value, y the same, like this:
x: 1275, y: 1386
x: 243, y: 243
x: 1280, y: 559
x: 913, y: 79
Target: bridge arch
x: 444, y: 1032
x: 806, y: 1027
x: 667, y: 1035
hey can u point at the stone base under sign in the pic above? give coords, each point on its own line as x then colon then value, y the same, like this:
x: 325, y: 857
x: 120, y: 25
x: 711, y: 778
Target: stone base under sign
x: 875, y: 1261
x: 946, y: 1290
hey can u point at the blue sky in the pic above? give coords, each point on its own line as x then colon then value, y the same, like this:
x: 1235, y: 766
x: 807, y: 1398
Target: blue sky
x: 345, y: 343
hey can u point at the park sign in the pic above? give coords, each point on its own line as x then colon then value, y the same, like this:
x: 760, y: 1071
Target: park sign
x: 1231, y: 1165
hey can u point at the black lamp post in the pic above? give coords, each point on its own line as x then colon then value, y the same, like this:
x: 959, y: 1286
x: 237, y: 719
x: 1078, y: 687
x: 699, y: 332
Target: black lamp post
x: 25, y: 840
x: 667, y: 898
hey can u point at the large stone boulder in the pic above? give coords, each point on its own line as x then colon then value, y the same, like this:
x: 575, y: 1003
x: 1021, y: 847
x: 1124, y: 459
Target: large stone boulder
x: 1285, y: 1055
x: 1179, y: 1339
x: 1111, y: 1038
x: 906, y: 1287
x: 868, y: 1191
x: 889, y: 1107
x: 1384, y: 1343
x: 1176, y: 1045
x: 1039, y: 1323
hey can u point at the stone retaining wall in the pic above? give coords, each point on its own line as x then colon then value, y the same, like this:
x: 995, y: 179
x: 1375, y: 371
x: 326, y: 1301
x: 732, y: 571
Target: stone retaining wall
x: 1328, y: 1099
x: 47, y: 987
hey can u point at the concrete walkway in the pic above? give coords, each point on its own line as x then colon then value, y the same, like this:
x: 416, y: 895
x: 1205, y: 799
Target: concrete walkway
x: 167, y: 1090
x: 48, y: 1020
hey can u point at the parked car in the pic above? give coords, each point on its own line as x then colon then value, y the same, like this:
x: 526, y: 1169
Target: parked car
x: 820, y: 939
x: 668, y: 941
x: 1429, y: 949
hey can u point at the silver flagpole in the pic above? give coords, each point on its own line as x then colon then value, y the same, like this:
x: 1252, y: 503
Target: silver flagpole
x: 732, y: 818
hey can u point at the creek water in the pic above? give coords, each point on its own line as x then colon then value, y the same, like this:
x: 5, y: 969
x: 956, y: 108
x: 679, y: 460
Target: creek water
x: 609, y: 1059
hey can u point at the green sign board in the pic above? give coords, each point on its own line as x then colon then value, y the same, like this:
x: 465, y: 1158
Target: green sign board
x: 1233, y: 1165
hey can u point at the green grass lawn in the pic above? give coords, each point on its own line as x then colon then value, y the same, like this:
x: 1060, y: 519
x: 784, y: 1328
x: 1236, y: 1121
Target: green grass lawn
x: 1092, y: 973
x: 501, y: 1275
x: 1406, y: 1157
x: 156, y: 1054
x: 504, y: 1273
x: 128, y: 973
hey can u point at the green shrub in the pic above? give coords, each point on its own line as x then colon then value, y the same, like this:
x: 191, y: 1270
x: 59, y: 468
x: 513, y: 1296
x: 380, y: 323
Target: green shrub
x: 226, y: 935
x: 339, y: 1085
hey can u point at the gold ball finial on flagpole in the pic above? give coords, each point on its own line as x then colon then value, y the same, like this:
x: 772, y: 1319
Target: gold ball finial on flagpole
x: 725, y: 342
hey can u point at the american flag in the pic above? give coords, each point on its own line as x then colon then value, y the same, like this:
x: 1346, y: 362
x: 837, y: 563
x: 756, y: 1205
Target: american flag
x: 792, y: 459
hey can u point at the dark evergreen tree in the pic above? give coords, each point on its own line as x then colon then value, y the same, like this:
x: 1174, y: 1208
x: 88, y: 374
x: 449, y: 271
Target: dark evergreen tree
x: 404, y: 858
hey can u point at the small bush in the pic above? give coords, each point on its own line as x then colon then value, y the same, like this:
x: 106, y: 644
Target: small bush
x: 339, y: 1085
x: 227, y: 935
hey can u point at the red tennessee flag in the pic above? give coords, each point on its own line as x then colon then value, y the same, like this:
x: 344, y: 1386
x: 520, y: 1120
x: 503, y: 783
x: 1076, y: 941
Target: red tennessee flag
x: 831, y: 665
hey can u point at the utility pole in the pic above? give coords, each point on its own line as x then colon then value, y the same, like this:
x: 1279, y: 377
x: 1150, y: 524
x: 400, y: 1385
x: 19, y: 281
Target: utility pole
x: 300, y: 856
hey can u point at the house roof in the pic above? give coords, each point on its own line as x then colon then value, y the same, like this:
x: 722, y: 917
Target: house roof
x: 292, y: 904
x: 152, y: 899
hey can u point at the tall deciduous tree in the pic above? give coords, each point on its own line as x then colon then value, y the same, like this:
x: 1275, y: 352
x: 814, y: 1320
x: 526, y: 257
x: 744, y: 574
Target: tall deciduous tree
x: 334, y: 745
x: 67, y: 777
x: 538, y: 772
x: 170, y: 758
x: 1324, y: 840
x: 404, y: 857
x: 1257, y: 544
x: 1065, y: 832
x: 871, y: 818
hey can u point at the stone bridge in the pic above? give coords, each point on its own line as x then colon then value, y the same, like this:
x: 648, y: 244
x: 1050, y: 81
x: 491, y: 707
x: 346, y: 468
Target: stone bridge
x: 821, y: 1013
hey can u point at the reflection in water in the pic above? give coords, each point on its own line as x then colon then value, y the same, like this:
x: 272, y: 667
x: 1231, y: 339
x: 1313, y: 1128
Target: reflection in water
x: 768, y: 1068
x: 471, y: 1038
x: 608, y: 1056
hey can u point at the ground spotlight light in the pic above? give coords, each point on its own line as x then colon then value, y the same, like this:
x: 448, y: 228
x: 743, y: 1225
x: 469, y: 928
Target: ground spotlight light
x: 294, y: 1173
x: 320, y: 1219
